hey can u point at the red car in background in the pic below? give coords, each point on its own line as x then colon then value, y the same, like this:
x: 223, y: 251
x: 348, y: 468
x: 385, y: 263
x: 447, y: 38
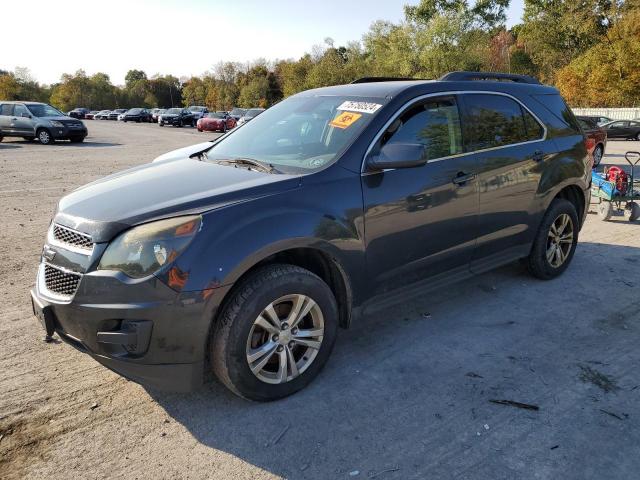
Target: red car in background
x: 596, y: 138
x: 216, y: 122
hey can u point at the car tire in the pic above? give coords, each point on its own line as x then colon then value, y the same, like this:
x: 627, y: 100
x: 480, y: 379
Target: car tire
x: 44, y: 136
x: 1, y: 138
x: 632, y: 211
x: 200, y: 130
x: 180, y: 124
x: 273, y: 289
x: 598, y: 152
x: 605, y: 210
x: 555, y: 242
x: 161, y: 124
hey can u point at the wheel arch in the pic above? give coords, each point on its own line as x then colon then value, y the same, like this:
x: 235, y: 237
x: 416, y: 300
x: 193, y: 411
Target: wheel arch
x: 576, y: 196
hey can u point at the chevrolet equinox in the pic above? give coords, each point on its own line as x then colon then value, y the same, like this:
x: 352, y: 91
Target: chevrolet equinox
x: 244, y: 255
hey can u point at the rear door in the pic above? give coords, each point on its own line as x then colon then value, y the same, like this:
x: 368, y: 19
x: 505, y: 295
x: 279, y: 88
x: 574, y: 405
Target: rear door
x: 618, y: 129
x: 6, y: 114
x: 422, y: 221
x: 22, y: 121
x: 510, y: 144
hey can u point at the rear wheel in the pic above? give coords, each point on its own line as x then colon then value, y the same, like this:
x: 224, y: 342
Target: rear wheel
x: 180, y: 124
x: 44, y: 136
x: 556, y: 241
x: 597, y: 155
x: 275, y: 333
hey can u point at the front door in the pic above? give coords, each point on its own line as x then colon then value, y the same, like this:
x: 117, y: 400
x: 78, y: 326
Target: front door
x: 22, y: 121
x: 421, y: 221
x: 618, y: 129
x: 6, y: 116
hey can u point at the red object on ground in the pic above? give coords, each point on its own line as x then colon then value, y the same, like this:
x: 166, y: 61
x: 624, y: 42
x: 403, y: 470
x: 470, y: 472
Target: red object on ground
x: 619, y: 177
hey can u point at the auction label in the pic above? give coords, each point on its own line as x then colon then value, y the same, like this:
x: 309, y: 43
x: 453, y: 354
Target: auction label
x: 345, y: 120
x: 364, y: 107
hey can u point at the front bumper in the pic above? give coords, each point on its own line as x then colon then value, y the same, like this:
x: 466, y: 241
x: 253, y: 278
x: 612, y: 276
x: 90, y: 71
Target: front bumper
x: 65, y: 133
x: 142, y: 330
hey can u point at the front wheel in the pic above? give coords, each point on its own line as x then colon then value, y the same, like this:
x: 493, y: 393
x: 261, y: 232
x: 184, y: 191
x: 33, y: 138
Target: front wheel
x: 632, y: 211
x: 275, y: 333
x: 44, y: 136
x: 605, y: 210
x: 556, y: 241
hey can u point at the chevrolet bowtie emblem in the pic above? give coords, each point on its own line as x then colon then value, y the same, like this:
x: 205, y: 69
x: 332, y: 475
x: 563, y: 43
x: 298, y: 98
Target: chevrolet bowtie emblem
x: 48, y: 253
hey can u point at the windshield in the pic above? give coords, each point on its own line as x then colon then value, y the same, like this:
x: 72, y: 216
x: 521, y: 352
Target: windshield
x: 43, y: 110
x: 215, y: 115
x: 254, y: 112
x: 196, y: 109
x: 237, y: 111
x: 135, y: 111
x: 301, y: 133
x: 173, y: 111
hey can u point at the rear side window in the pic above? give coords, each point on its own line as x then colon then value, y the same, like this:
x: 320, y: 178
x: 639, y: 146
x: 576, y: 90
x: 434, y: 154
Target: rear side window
x: 6, y: 109
x: 496, y: 120
x: 434, y: 124
x: 556, y: 105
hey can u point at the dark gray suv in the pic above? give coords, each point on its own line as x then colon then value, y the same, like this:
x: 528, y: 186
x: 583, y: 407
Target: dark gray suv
x: 245, y: 255
x: 34, y: 120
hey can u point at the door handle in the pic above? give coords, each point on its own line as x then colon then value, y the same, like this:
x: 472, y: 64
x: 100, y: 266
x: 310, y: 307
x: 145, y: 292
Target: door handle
x: 461, y: 178
x: 538, y: 156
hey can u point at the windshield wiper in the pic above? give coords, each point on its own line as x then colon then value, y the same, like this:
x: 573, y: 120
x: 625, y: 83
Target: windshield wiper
x: 264, y: 166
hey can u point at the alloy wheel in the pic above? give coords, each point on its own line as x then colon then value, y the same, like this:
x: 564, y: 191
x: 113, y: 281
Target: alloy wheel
x: 44, y: 137
x: 560, y: 240
x: 285, y: 339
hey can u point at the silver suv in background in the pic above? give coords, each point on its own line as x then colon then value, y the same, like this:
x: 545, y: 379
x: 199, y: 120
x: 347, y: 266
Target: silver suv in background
x: 31, y: 120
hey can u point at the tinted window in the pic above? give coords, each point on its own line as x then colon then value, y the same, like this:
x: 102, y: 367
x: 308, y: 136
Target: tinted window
x: 618, y: 124
x: 556, y: 105
x: 44, y: 110
x: 535, y: 131
x: 587, y: 123
x: 6, y: 109
x: 434, y: 124
x: 496, y: 120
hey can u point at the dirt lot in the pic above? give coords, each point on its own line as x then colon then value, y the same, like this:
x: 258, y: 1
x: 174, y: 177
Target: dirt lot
x: 406, y: 394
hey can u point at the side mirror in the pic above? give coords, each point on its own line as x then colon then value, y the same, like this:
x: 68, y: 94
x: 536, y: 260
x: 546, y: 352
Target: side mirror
x: 398, y: 155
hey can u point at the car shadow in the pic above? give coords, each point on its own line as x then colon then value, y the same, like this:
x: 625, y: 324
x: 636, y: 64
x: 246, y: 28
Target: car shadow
x: 407, y: 391
x: 8, y: 146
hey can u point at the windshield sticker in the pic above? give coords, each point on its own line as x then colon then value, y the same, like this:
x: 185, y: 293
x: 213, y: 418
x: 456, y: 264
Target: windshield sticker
x: 364, y: 107
x: 345, y: 120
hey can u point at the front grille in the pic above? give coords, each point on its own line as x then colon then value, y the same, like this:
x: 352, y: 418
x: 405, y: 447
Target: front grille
x: 60, y: 281
x: 71, y: 237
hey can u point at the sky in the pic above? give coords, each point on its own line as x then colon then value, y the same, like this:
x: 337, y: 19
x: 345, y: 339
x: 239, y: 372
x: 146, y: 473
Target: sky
x: 180, y: 37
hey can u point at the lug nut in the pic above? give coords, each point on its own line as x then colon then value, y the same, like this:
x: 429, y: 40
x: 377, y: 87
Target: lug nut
x: 285, y: 326
x: 280, y: 348
x: 292, y: 344
x: 275, y: 338
x: 294, y: 330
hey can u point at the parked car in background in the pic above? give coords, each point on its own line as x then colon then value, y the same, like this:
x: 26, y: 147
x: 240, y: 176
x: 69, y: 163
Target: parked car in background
x: 157, y: 112
x: 90, y: 115
x: 34, y: 120
x: 113, y: 115
x: 178, y: 117
x: 245, y: 258
x: 198, y: 111
x: 216, y: 122
x: 102, y: 115
x: 238, y: 113
x: 597, y: 137
x: 600, y: 120
x: 627, y: 129
x: 250, y: 115
x: 78, y: 113
x: 137, y: 115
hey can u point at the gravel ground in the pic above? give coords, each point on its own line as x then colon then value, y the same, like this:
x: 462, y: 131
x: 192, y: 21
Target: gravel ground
x: 407, y: 393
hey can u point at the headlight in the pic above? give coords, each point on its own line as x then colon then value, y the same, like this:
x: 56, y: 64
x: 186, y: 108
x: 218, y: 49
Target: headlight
x: 55, y: 123
x: 147, y: 248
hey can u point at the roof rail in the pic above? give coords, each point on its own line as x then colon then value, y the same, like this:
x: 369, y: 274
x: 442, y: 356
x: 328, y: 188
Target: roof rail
x: 500, y: 77
x: 381, y: 79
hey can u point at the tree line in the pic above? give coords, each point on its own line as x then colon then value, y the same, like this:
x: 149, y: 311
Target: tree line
x: 589, y: 49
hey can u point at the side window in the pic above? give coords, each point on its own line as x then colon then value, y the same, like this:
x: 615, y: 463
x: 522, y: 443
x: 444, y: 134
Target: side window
x: 533, y: 128
x: 6, y: 109
x: 495, y: 121
x: 556, y: 105
x: 434, y: 124
x: 618, y: 125
x: 19, y: 110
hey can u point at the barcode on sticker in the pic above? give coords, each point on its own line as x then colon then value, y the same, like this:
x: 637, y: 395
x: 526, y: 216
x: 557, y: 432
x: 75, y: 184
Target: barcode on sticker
x: 363, y: 107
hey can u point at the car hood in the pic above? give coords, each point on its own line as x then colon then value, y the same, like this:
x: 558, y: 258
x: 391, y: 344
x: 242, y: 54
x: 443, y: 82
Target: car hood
x: 153, y: 191
x: 182, y: 153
